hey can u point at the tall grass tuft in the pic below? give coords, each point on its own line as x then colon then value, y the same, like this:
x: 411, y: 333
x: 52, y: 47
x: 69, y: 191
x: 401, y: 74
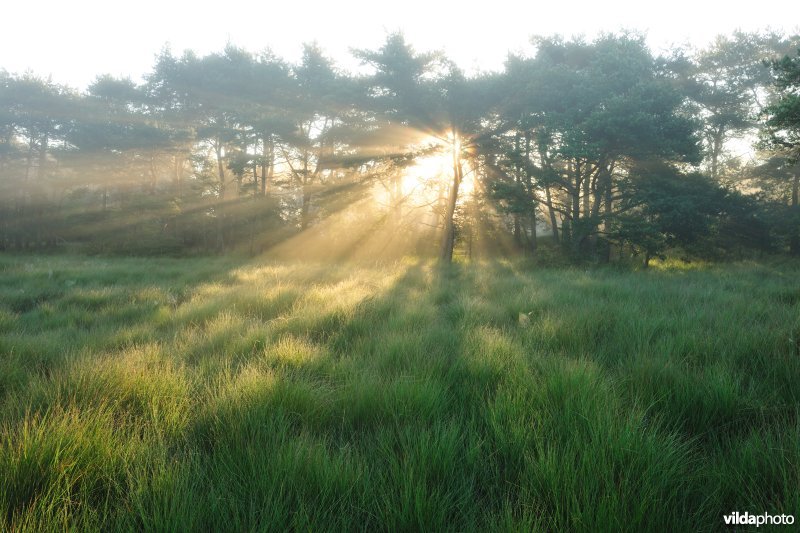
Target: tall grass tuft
x: 212, y: 394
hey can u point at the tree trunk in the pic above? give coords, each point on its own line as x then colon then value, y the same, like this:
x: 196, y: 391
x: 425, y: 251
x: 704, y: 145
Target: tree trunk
x: 29, y: 161
x: 517, y: 181
x: 607, y: 204
x: 178, y: 186
x: 577, y: 234
x: 267, y: 158
x: 717, y: 142
x: 794, y: 240
x: 255, y: 170
x: 151, y: 186
x: 40, y: 174
x: 270, y: 167
x: 305, y: 208
x: 547, y: 167
x: 178, y: 174
x: 41, y: 229
x: 221, y: 199
x: 586, y: 182
x: 529, y: 233
x: 552, y: 213
x: 448, y: 237
x: 602, y: 183
x: 530, y: 191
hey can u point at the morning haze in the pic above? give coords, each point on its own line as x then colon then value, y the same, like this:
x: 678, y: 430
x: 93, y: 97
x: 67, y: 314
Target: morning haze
x: 413, y: 267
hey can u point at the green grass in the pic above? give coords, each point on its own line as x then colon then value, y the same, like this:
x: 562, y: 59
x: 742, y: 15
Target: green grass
x: 211, y: 394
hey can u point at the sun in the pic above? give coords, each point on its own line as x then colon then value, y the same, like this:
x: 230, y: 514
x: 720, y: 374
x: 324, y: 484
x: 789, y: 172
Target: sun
x: 426, y: 173
x: 427, y: 181
x: 433, y: 173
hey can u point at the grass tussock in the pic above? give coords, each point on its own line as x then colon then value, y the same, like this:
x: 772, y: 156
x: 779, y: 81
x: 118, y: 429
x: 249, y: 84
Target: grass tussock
x: 204, y: 394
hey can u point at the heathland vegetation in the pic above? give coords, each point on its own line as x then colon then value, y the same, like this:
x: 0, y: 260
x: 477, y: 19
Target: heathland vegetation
x: 556, y: 297
x: 213, y: 394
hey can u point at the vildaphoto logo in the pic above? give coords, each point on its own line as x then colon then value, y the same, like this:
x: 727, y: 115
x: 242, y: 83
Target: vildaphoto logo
x: 746, y: 519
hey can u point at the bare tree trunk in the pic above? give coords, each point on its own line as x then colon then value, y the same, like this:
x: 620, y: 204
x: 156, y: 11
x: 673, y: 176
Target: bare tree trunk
x: 716, y: 150
x: 270, y: 166
x: 530, y: 191
x: 255, y: 169
x: 221, y: 198
x: 598, y: 190
x: 41, y: 229
x: 577, y: 235
x: 552, y: 213
x: 517, y: 180
x: 267, y: 159
x: 607, y: 204
x: 305, y: 184
x: 264, y: 166
x: 29, y: 161
x: 178, y: 186
x: 43, y: 145
x: 794, y: 240
x: 547, y: 166
x: 586, y: 199
x: 587, y: 192
x: 602, y: 195
x: 305, y: 208
x: 448, y: 237
x: 151, y: 187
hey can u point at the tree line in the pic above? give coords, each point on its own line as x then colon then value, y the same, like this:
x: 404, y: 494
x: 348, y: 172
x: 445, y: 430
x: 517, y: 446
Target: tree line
x: 607, y: 148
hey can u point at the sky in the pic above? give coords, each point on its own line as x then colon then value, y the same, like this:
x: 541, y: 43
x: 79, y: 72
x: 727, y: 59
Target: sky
x: 74, y: 41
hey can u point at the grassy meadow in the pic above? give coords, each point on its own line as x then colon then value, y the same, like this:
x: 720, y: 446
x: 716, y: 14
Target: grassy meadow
x: 223, y: 394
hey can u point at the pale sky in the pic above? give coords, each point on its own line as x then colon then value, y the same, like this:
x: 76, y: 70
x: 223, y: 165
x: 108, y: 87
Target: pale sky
x: 74, y: 41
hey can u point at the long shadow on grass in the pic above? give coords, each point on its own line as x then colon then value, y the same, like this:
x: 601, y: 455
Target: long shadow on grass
x: 419, y: 411
x: 366, y: 424
x: 143, y: 391
x: 56, y: 308
x: 709, y: 360
x: 416, y: 411
x: 332, y: 398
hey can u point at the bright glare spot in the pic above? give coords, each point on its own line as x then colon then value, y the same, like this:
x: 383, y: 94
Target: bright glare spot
x: 432, y: 174
x: 426, y: 172
x: 467, y: 185
x: 454, y: 140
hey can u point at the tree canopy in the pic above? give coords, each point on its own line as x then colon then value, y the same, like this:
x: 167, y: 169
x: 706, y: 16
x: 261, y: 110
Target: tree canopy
x: 599, y: 148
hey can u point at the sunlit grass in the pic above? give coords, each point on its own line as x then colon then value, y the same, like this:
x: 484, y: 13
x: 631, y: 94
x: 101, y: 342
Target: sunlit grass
x: 210, y: 394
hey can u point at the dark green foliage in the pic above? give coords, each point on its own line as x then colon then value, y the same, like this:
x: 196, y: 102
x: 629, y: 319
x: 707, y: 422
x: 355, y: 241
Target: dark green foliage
x: 666, y: 209
x: 783, y: 121
x: 584, y: 115
x: 781, y: 134
x: 237, y: 151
